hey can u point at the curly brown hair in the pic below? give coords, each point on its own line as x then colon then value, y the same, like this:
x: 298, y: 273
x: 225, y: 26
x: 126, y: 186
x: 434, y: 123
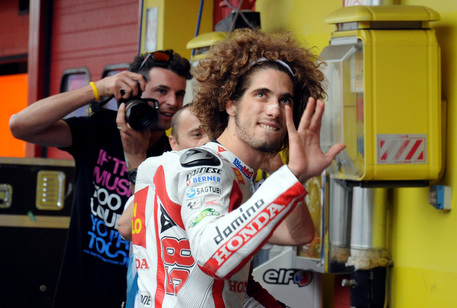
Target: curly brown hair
x: 222, y: 75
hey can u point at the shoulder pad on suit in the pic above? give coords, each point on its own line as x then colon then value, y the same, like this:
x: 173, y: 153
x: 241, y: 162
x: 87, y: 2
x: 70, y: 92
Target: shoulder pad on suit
x: 199, y: 157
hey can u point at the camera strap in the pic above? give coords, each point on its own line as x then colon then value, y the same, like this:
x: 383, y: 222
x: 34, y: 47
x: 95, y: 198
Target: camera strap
x: 97, y: 106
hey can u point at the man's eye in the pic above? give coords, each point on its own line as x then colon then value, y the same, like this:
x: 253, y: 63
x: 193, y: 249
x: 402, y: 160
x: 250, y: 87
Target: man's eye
x: 286, y: 101
x: 260, y: 94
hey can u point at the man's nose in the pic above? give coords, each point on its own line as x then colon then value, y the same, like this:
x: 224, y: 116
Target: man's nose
x: 272, y: 109
x: 172, y: 100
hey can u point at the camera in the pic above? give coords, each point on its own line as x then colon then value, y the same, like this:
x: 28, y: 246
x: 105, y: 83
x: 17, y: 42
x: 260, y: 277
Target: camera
x: 140, y: 114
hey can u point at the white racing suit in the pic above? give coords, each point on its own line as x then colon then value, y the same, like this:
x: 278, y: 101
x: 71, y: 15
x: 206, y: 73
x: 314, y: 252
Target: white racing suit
x: 197, y: 224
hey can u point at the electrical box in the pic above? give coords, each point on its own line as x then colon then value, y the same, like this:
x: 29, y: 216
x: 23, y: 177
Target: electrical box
x: 36, y: 195
x: 384, y: 94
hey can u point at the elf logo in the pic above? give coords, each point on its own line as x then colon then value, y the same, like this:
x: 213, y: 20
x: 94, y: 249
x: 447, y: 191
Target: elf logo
x: 284, y: 276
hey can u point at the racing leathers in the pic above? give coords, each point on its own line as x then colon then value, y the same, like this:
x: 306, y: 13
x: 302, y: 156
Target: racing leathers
x: 197, y: 224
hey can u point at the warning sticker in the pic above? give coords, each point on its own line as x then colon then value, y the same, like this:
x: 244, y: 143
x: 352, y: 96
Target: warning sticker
x: 401, y: 149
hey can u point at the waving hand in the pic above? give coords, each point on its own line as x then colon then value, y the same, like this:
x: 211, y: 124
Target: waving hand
x: 306, y: 158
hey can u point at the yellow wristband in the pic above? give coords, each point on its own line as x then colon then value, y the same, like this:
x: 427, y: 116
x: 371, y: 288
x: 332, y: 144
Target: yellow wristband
x: 94, y: 89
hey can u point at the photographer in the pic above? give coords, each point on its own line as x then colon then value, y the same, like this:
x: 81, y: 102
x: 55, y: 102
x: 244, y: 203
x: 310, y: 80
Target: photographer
x: 107, y: 151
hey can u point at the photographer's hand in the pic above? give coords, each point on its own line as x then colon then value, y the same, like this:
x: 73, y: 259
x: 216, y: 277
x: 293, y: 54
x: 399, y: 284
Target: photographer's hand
x: 135, y: 142
x: 123, y: 85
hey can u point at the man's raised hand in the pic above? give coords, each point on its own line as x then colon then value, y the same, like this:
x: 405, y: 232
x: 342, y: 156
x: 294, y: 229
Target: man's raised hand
x: 306, y: 158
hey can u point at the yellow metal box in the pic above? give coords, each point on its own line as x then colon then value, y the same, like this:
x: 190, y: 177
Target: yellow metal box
x: 384, y: 94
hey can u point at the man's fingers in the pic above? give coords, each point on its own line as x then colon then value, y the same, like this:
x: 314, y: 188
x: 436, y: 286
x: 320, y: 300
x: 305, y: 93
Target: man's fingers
x: 139, y: 84
x: 128, y: 84
x: 133, y: 86
x: 290, y: 123
x: 120, y: 117
x: 307, y: 114
x: 316, y: 119
x: 334, y: 151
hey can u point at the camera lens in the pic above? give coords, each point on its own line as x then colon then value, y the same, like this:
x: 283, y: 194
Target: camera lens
x: 140, y: 115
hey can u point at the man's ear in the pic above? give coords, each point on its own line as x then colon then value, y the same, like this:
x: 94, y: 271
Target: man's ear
x: 173, y: 142
x: 230, y: 108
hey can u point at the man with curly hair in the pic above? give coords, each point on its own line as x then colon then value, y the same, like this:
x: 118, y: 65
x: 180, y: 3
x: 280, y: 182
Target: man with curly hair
x: 197, y: 221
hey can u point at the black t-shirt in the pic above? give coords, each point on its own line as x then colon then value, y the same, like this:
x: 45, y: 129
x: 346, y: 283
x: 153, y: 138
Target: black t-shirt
x: 94, y: 267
